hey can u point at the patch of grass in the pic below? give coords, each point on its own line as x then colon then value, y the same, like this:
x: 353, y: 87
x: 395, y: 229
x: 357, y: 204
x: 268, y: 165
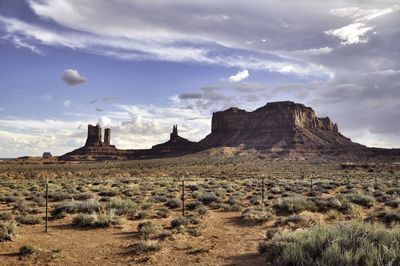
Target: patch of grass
x: 349, y: 244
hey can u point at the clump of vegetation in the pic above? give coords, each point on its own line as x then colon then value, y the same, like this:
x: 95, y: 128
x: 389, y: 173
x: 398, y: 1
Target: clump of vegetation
x: 257, y: 215
x: 173, y: 203
x: 5, y: 216
x: 149, y: 229
x: 28, y: 219
x: 293, y: 204
x: 179, y: 222
x: 146, y: 246
x: 349, y: 244
x: 26, y: 249
x: 361, y: 199
x: 103, y: 219
x: 163, y: 213
x: 7, y: 231
x: 208, y: 198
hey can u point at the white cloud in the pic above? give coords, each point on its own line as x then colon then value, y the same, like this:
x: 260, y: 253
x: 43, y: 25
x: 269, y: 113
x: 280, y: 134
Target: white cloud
x: 72, y: 77
x: 356, y: 32
x: 67, y: 103
x: 241, y: 75
x: 104, y: 121
x: 352, y: 33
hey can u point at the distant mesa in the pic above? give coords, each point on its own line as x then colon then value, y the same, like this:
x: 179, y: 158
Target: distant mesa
x: 276, y: 129
x: 47, y: 155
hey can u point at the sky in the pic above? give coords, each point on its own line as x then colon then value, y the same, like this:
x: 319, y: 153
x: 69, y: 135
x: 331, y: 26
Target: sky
x: 140, y: 66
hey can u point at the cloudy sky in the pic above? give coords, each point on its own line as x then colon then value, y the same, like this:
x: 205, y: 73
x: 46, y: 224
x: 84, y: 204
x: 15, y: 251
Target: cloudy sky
x: 140, y: 66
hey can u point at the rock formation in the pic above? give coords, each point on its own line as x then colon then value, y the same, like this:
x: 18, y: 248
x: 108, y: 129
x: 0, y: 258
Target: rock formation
x: 277, y: 126
x: 95, y: 147
x: 175, y: 143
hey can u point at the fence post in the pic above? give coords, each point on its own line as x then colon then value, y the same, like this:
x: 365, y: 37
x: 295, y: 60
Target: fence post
x: 262, y: 190
x: 311, y: 183
x: 47, y: 203
x: 348, y: 181
x: 183, y: 196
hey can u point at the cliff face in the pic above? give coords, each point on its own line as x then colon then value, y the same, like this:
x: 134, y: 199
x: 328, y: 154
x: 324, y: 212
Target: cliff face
x: 278, y: 125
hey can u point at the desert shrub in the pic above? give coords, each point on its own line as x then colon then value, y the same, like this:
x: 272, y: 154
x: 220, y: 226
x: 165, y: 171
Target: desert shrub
x: 59, y: 210
x: 5, y: 216
x: 28, y: 219
x: 173, y: 203
x: 393, y: 203
x: 163, y: 213
x: 142, y: 214
x: 193, y: 205
x: 389, y: 217
x: 349, y: 244
x: 160, y: 198
x: 7, y: 231
x: 257, y: 215
x: 233, y: 200
x: 84, y: 219
x: 109, y: 193
x: 201, y: 210
x: 87, y: 206
x: 293, y: 204
x: 59, y: 195
x: 145, y: 246
x: 122, y: 207
x: 293, y: 218
x: 26, y: 249
x: 105, y: 219
x: 82, y: 196
x: 179, y: 222
x: 208, y: 198
x: 149, y: 229
x: 361, y: 199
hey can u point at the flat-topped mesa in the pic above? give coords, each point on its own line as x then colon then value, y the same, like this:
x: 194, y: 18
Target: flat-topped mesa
x: 275, y: 126
x: 273, y: 116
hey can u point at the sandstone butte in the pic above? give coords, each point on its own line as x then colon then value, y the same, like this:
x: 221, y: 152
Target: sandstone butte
x: 278, y: 129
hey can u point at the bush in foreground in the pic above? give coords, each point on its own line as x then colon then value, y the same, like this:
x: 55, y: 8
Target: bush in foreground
x: 26, y: 249
x: 7, y: 231
x: 146, y: 246
x: 355, y: 243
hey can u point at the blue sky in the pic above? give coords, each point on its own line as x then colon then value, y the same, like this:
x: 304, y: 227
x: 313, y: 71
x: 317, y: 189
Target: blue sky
x: 139, y: 67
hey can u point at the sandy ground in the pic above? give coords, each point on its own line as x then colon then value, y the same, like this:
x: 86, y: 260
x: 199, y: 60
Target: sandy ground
x: 224, y: 241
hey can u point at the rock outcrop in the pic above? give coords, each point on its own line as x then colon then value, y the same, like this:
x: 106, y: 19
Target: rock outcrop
x: 94, y: 147
x: 277, y: 126
x: 176, y: 143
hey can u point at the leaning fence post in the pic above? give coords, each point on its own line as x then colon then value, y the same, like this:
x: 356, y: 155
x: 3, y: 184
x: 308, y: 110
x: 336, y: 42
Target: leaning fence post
x: 47, y: 203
